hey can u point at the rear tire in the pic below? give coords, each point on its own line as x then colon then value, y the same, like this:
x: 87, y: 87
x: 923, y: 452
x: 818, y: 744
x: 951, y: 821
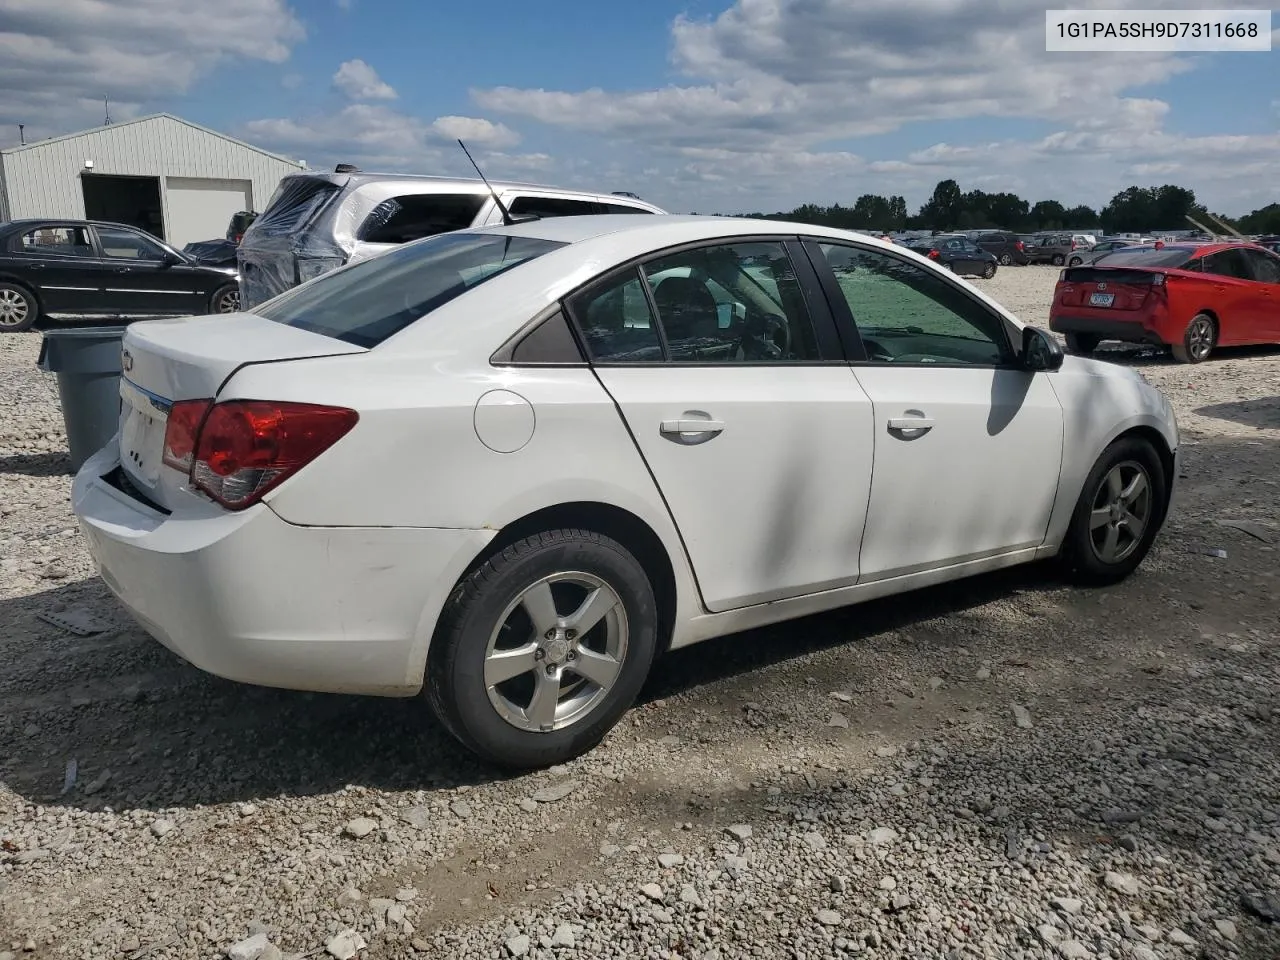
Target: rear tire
x: 1125, y: 486
x: 18, y: 308
x: 1059, y: 259
x: 1199, y: 340
x: 1075, y: 262
x: 226, y: 299
x: 525, y: 598
x: 1005, y: 260
x: 1082, y: 344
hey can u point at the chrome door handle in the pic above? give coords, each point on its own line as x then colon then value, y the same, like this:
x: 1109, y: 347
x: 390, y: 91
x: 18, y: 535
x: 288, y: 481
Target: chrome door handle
x: 690, y: 427
x: 910, y: 427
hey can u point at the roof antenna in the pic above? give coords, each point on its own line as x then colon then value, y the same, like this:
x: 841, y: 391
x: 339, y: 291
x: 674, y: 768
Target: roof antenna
x: 22, y: 134
x: 106, y: 108
x: 507, y: 219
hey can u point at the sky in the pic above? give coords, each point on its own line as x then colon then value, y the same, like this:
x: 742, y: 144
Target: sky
x: 698, y: 105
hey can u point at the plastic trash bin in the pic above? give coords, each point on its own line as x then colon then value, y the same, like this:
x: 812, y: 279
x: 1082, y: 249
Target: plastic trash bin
x: 86, y: 361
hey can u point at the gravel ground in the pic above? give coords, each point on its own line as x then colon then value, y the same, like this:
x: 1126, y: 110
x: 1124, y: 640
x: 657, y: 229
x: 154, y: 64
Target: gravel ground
x: 1003, y: 768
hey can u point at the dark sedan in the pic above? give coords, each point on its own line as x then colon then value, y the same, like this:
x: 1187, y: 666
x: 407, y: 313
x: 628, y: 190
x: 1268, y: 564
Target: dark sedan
x: 957, y: 254
x: 82, y: 268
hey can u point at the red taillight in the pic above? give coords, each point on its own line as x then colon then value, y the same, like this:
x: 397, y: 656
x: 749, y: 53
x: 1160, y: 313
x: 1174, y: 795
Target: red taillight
x: 246, y: 447
x: 933, y: 254
x: 1019, y: 246
x: 180, y: 432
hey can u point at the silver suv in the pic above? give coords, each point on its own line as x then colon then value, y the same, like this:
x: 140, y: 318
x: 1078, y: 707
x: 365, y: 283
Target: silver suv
x: 316, y: 222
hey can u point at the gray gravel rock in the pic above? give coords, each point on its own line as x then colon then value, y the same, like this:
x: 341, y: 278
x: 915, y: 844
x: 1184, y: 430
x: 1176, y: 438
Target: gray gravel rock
x: 555, y: 792
x: 360, y: 827
x: 250, y: 948
x: 344, y: 944
x: 518, y: 945
x: 1122, y: 883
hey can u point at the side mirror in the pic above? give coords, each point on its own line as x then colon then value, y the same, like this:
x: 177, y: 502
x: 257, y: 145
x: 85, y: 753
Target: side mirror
x: 172, y: 259
x: 1040, y: 351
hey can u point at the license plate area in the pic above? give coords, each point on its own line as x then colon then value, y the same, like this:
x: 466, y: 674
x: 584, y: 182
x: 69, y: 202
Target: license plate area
x: 143, y: 419
x: 1101, y: 299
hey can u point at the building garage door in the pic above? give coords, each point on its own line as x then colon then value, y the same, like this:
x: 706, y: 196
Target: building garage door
x: 200, y: 209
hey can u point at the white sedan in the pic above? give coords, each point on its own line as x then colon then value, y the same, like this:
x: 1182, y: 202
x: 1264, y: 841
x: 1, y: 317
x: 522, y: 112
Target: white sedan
x: 508, y: 467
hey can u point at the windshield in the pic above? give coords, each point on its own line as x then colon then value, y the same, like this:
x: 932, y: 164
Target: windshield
x: 1148, y: 257
x: 370, y: 301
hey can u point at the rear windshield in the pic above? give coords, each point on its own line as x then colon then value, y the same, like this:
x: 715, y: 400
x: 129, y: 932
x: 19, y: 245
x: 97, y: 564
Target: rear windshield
x: 1147, y: 257
x: 369, y: 301
x: 294, y: 203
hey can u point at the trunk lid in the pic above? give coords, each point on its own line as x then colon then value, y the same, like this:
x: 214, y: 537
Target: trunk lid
x: 1107, y: 288
x: 169, y: 361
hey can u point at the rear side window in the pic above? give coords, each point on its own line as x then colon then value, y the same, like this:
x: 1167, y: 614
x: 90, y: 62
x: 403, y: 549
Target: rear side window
x: 551, y: 207
x: 412, y: 217
x: 1266, y: 267
x: 619, y: 208
x: 369, y: 301
x: 57, y: 242
x: 294, y: 204
x: 1227, y: 263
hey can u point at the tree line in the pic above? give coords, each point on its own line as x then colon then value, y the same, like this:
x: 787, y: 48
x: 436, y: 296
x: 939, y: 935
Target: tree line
x: 1132, y: 210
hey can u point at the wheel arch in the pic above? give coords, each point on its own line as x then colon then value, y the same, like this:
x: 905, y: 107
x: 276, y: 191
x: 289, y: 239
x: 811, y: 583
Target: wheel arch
x: 1168, y: 462
x: 26, y: 286
x: 615, y: 522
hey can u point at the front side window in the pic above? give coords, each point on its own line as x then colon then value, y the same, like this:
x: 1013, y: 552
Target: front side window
x: 57, y: 242
x: 127, y: 245
x: 373, y: 299
x: 1266, y: 267
x: 737, y: 302
x: 414, y: 216
x: 907, y: 314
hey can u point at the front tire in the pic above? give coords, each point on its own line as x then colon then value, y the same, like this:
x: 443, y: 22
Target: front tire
x: 1075, y: 262
x: 542, y: 648
x: 226, y: 299
x: 1118, y: 515
x: 1199, y: 340
x: 988, y: 271
x: 18, y: 308
x: 1059, y: 259
x: 1082, y: 344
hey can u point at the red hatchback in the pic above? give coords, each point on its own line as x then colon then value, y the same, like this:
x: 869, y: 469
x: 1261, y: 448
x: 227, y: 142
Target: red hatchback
x: 1191, y: 297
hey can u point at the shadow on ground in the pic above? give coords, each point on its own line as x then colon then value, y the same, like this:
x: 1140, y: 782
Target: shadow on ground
x: 36, y: 464
x: 173, y: 737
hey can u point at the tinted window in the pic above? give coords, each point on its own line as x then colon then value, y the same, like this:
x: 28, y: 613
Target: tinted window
x: 619, y: 208
x: 1148, y: 257
x: 1266, y: 268
x: 907, y: 314
x: 736, y: 302
x: 1227, y: 263
x: 296, y: 201
x: 412, y: 217
x: 549, y: 342
x: 126, y: 245
x: 57, y: 242
x: 550, y: 207
x: 370, y: 301
x: 617, y: 322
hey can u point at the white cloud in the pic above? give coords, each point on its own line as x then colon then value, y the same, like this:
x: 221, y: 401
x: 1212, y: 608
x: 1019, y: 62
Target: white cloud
x: 359, y: 81
x: 767, y: 88
x: 58, y: 60
x: 380, y: 137
x: 475, y: 130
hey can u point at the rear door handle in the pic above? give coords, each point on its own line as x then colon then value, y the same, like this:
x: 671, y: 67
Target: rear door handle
x: 690, y: 427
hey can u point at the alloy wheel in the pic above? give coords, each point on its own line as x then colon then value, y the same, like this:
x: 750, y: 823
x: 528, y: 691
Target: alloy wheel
x: 1121, y: 510
x: 14, y: 308
x: 557, y: 651
x: 1200, y: 337
x: 228, y: 301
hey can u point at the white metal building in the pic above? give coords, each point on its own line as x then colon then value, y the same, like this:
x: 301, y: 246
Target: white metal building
x: 179, y: 180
